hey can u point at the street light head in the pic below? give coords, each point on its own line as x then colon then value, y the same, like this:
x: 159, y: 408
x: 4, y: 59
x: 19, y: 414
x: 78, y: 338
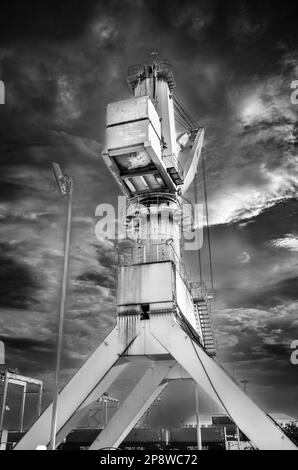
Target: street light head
x: 63, y: 181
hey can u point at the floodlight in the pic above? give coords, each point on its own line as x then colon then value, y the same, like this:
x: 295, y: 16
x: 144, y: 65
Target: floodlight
x: 65, y: 186
x: 63, y: 181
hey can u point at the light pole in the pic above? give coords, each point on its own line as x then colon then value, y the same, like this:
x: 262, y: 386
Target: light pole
x: 244, y: 382
x: 199, y: 434
x: 65, y: 186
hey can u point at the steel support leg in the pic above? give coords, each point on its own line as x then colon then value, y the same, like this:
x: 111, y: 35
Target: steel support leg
x: 135, y: 405
x: 90, y: 400
x: 261, y: 430
x: 77, y: 390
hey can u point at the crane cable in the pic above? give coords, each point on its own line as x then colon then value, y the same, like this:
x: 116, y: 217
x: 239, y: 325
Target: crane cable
x: 181, y: 119
x: 180, y: 111
x: 187, y: 121
x: 196, y: 203
x: 207, y: 220
x: 182, y: 114
x: 185, y: 124
x: 181, y: 122
x: 180, y: 106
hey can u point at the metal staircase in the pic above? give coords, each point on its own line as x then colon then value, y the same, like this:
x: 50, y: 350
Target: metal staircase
x: 206, y: 326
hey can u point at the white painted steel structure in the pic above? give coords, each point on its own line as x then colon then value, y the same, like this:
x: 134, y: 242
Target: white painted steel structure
x: 159, y: 323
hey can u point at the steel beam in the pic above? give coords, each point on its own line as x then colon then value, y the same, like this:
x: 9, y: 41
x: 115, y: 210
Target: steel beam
x: 90, y: 400
x: 73, y: 395
x: 260, y: 429
x: 3, y: 439
x: 135, y: 405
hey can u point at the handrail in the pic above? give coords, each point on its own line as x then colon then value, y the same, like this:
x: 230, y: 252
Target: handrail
x: 172, y: 161
x: 153, y: 253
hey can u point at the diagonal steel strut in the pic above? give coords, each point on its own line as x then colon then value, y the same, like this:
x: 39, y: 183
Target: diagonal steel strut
x: 77, y: 392
x: 260, y: 429
x: 135, y: 405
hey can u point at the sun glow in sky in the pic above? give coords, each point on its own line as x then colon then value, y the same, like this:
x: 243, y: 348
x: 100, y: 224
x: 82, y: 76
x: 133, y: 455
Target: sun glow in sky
x: 252, y: 109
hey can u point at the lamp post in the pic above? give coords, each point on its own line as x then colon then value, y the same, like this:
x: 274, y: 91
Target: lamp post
x: 244, y: 382
x: 199, y: 434
x: 65, y: 186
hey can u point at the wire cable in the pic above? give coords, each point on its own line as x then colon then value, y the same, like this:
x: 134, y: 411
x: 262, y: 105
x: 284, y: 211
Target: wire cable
x: 190, y: 119
x: 196, y: 203
x: 183, y: 114
x: 207, y: 220
x: 181, y: 121
x: 181, y: 106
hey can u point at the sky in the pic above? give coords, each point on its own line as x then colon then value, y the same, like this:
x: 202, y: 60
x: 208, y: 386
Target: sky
x: 233, y: 62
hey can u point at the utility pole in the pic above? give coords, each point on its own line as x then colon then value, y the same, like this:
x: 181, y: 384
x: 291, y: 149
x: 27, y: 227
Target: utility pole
x: 244, y: 382
x: 65, y: 186
x: 199, y: 435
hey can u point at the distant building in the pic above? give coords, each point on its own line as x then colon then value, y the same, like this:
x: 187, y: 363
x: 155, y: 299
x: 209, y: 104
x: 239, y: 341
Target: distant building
x: 233, y: 438
x: 20, y: 399
x: 150, y: 439
x: 284, y: 420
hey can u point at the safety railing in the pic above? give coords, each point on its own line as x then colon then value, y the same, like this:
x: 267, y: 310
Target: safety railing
x: 171, y: 161
x: 199, y: 291
x: 153, y: 253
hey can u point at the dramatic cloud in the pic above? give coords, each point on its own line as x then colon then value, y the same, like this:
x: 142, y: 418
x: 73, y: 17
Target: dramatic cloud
x: 233, y: 64
x: 290, y: 242
x: 261, y: 138
x: 255, y: 345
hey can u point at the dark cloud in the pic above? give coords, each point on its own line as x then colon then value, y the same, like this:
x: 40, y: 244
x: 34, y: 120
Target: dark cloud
x: 273, y: 223
x: 62, y: 62
x: 18, y: 283
x: 107, y: 257
x: 11, y: 191
x: 32, y: 354
x: 263, y: 296
x: 100, y: 279
x: 46, y: 19
x: 22, y: 344
x: 35, y: 355
x: 282, y: 291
